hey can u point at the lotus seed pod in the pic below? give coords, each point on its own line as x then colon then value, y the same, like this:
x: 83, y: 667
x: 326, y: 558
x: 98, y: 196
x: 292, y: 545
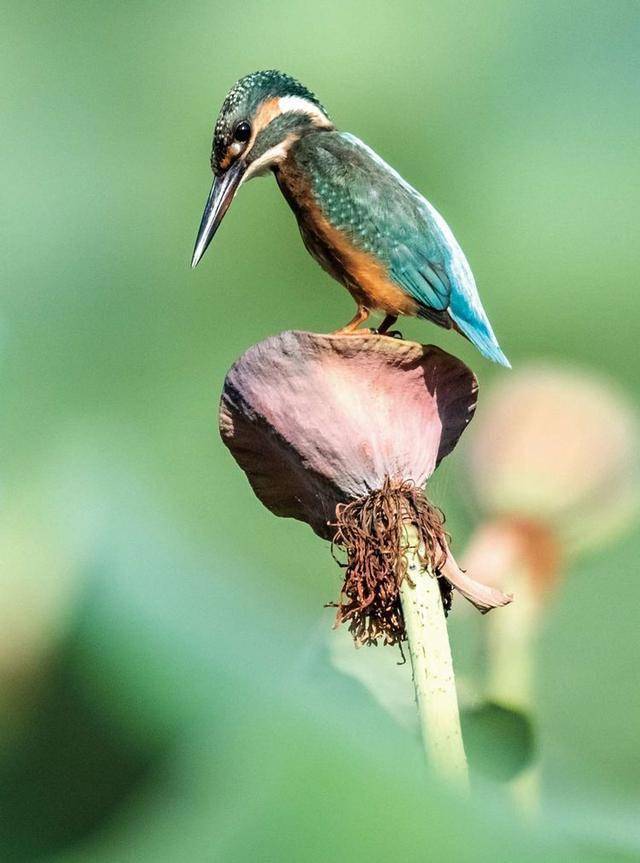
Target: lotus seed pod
x: 557, y: 448
x: 343, y: 432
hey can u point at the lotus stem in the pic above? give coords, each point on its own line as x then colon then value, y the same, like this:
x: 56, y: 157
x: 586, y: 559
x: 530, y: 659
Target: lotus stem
x: 510, y: 659
x: 432, y: 665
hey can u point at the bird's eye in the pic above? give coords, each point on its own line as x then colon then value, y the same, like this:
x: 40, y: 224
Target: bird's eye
x: 242, y: 132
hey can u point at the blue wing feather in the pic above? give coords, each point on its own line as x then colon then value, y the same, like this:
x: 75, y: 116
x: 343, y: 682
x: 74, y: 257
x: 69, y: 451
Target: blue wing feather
x: 384, y: 215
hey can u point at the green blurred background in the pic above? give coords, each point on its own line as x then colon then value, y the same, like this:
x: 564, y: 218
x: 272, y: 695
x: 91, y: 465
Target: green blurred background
x: 164, y: 689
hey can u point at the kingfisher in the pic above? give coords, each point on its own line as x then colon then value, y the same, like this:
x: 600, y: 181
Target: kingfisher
x: 361, y: 221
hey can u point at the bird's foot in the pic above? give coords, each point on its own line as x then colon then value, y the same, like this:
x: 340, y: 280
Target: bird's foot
x: 351, y: 328
x: 392, y: 334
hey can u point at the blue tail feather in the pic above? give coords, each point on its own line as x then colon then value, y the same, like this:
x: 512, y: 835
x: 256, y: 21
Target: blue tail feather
x: 480, y: 334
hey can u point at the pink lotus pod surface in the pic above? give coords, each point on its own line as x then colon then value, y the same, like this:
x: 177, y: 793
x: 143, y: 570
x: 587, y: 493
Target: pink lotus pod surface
x: 317, y: 420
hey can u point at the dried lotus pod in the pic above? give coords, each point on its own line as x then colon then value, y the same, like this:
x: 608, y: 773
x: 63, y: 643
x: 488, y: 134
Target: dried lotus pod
x: 343, y: 432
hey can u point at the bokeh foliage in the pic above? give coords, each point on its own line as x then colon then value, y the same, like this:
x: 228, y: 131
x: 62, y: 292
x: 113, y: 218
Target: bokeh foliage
x: 165, y: 694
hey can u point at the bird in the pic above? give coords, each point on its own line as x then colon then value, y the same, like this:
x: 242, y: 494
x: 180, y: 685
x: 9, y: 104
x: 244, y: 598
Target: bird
x: 359, y: 219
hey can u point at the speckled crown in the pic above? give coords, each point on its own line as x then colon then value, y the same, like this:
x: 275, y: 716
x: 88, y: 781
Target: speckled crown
x: 247, y: 93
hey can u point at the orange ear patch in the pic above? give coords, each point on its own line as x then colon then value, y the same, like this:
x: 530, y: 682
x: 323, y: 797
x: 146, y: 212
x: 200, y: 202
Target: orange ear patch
x: 269, y: 109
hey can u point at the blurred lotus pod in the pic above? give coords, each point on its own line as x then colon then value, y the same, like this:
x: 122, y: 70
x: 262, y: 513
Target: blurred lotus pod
x: 554, y: 467
x: 502, y: 549
x: 556, y: 449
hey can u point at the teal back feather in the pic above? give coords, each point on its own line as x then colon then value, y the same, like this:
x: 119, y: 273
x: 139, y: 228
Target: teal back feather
x: 382, y: 214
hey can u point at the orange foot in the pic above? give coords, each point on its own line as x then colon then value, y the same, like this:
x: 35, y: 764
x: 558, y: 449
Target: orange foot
x: 351, y: 328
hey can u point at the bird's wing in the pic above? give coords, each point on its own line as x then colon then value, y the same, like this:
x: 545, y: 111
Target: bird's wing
x: 384, y: 215
x: 369, y: 202
x: 407, y: 232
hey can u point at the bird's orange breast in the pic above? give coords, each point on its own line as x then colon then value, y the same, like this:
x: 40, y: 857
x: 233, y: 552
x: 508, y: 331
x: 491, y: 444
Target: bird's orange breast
x: 361, y: 272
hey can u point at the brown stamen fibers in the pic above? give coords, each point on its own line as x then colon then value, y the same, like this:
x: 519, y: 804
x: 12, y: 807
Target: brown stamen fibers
x: 372, y: 531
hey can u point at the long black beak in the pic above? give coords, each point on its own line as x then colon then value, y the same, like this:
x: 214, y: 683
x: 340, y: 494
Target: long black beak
x: 222, y: 191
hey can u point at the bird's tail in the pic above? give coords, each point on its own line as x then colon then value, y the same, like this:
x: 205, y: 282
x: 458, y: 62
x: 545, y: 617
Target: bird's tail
x: 479, y: 332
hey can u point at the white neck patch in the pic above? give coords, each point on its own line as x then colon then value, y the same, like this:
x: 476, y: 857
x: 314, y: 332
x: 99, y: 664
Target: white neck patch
x: 269, y: 158
x: 278, y: 153
x: 300, y: 105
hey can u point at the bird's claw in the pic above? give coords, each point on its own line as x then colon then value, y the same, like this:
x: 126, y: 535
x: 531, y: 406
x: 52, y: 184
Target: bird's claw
x: 392, y: 334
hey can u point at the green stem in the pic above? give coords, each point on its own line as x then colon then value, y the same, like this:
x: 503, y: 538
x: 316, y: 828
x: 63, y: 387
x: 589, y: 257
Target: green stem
x: 433, y: 676
x: 510, y: 659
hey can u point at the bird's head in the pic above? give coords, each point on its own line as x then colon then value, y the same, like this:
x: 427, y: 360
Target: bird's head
x: 262, y: 116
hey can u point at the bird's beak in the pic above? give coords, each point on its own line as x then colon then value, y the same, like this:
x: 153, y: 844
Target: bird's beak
x: 222, y: 191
